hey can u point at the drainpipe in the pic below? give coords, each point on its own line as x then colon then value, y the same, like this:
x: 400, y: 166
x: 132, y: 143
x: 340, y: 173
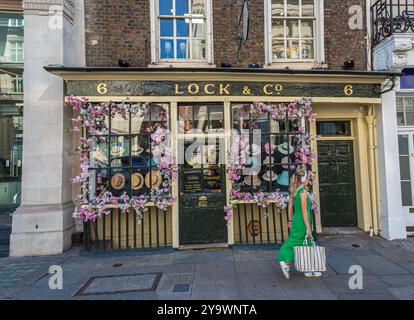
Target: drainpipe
x: 370, y: 119
x: 368, y: 34
x: 377, y: 192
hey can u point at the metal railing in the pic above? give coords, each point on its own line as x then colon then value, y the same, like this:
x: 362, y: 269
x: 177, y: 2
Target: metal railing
x: 391, y: 17
x: 254, y: 225
x: 123, y: 231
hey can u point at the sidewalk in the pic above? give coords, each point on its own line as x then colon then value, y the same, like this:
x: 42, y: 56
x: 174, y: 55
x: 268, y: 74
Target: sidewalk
x: 241, y: 273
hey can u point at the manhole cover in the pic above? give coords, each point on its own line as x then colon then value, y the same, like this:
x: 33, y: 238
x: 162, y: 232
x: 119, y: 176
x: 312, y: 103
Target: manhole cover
x: 120, y: 284
x: 181, y: 288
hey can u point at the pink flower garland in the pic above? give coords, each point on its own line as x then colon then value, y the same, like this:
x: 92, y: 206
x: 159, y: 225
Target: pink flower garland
x: 303, y: 154
x: 91, y: 118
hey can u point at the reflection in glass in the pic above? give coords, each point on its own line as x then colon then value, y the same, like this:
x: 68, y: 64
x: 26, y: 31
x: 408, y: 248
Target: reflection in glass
x: 292, y: 8
x: 167, y: 49
x: 183, y: 49
x: 278, y: 28
x: 166, y: 7
x: 308, y: 8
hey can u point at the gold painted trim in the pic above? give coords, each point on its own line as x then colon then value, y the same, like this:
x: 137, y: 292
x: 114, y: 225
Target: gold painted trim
x: 218, y: 76
x: 235, y: 99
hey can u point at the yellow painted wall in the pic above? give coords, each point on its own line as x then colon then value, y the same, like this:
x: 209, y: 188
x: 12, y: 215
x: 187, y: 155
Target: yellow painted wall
x: 355, y: 114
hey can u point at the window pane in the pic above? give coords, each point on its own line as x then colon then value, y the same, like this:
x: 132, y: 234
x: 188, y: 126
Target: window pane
x: 181, y: 7
x: 278, y: 8
x: 400, y: 111
x: 293, y: 8
x: 292, y: 28
x: 277, y: 28
x: 278, y: 49
x: 406, y: 194
x: 183, y: 49
x: 182, y: 28
x: 166, y: 28
x: 198, y: 28
x: 166, y: 7
x: 197, y: 7
x: 409, y: 110
x: 403, y: 145
x: 308, y: 8
x: 405, y: 168
x: 198, y: 49
x: 167, y: 49
x: 307, y: 49
x: 292, y: 49
x: 307, y: 28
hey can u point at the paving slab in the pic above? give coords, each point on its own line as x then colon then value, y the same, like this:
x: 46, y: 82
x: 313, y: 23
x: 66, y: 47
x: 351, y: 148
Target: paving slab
x: 403, y: 293
x: 202, y: 256
x: 398, y: 281
x: 215, y: 290
x: 396, y: 254
x: 255, y: 270
x: 407, y: 265
x: 379, y: 265
x: 215, y: 271
x: 340, y: 285
x: 261, y: 289
x: 340, y: 263
x: 367, y: 296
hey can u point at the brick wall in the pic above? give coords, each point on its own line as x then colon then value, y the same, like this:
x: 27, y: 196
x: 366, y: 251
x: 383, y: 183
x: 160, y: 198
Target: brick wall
x: 117, y: 30
x: 342, y: 43
x: 121, y: 29
x: 226, y: 15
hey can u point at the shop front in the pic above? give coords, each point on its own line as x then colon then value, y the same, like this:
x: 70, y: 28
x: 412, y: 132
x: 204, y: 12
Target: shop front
x: 196, y: 158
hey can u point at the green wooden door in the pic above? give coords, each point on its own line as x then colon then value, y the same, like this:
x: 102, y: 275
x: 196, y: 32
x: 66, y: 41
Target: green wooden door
x: 201, y: 210
x: 337, y: 184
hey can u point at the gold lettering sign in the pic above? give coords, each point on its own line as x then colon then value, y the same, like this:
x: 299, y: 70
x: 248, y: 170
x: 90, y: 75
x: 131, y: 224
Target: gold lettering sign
x: 270, y: 89
x: 102, y: 88
x: 177, y: 89
x: 224, y: 89
x: 193, y: 88
x: 202, y: 202
x: 349, y: 90
x: 207, y: 88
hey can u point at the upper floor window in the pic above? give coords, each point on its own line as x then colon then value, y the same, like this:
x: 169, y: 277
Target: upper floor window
x: 16, y: 51
x: 15, y: 22
x: 181, y: 31
x: 405, y: 111
x: 294, y: 31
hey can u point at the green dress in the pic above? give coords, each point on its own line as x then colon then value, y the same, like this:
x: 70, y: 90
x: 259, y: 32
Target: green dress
x: 298, y: 231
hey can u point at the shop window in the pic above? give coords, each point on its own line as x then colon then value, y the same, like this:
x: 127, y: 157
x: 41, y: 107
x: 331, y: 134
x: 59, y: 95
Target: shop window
x: 405, y: 143
x: 293, y: 31
x: 122, y: 159
x: 405, y: 111
x: 181, y: 31
x: 198, y: 119
x: 270, y: 150
x: 333, y: 128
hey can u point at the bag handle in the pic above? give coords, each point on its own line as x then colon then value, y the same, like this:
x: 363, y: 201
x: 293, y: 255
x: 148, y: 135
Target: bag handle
x: 305, y: 241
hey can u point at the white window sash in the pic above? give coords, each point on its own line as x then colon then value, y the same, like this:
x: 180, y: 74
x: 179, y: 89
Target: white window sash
x: 319, y: 46
x: 156, y: 39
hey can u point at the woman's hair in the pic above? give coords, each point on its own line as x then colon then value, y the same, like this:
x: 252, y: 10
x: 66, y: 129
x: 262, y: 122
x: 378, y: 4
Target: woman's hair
x: 296, y: 180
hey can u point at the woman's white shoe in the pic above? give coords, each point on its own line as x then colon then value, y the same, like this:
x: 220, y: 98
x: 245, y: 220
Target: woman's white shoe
x: 313, y: 274
x: 285, y: 269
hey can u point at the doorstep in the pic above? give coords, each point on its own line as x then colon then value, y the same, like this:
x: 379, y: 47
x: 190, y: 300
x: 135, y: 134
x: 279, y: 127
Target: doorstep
x: 204, y: 246
x: 341, y: 231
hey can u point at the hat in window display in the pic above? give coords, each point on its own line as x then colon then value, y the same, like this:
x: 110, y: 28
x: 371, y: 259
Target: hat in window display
x: 256, y: 181
x: 269, y: 148
x: 284, y: 148
x: 283, y: 179
x: 270, y: 176
x: 99, y: 156
x: 269, y: 160
x: 118, y: 150
x: 137, y: 181
x: 137, y: 150
x: 118, y: 181
x: 285, y: 163
x: 153, y: 180
x: 253, y: 150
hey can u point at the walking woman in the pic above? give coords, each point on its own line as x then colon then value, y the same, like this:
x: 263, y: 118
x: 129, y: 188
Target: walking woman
x: 300, y: 224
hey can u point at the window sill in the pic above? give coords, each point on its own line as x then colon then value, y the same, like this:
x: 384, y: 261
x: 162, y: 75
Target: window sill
x: 296, y: 65
x: 182, y: 65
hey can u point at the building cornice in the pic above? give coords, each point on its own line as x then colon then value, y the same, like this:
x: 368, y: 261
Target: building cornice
x: 11, y: 5
x: 65, y: 8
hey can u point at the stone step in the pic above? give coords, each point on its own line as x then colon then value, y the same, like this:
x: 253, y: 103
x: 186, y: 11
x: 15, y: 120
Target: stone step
x: 4, y: 251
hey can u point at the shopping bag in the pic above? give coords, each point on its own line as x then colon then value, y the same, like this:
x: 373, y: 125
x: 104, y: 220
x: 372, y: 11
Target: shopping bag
x: 310, y: 258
